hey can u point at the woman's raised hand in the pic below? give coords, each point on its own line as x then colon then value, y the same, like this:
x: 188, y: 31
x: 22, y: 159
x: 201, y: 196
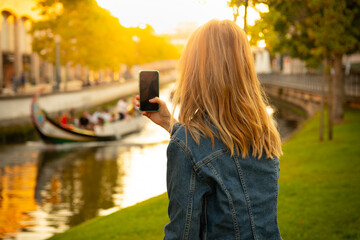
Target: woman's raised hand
x: 161, y: 117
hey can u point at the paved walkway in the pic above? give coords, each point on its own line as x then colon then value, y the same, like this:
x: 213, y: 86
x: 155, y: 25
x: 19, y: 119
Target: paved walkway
x: 17, y: 107
x: 29, y: 90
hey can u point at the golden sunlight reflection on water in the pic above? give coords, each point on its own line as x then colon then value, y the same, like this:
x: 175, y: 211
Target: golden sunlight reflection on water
x: 46, y: 191
x: 145, y: 173
x: 59, y: 189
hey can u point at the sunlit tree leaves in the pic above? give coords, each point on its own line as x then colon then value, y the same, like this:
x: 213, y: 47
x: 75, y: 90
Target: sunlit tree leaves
x: 92, y: 37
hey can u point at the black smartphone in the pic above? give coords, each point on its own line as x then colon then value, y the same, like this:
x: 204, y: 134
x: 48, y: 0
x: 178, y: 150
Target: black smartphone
x: 148, y: 88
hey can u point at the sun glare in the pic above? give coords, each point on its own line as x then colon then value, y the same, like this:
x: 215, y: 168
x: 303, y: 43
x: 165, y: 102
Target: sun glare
x: 261, y: 44
x: 165, y: 16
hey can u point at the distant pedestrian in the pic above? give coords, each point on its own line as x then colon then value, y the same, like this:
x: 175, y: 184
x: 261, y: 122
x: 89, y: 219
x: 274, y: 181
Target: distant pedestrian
x: 22, y: 83
x: 14, y: 81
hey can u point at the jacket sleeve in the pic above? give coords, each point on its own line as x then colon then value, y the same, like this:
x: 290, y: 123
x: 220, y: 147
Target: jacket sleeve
x: 186, y: 195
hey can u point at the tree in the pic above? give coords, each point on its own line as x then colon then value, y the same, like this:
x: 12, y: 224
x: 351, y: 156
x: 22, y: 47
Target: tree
x: 235, y: 5
x: 92, y: 37
x: 264, y: 30
x: 313, y: 30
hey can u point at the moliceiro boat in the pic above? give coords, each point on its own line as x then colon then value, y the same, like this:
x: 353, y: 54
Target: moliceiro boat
x: 52, y: 132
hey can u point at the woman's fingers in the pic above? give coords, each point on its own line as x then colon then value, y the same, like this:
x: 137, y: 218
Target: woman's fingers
x: 137, y: 97
x: 153, y: 100
x: 161, y: 117
x: 146, y: 114
x: 157, y: 100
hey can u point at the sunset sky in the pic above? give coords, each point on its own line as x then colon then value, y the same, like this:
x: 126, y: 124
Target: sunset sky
x: 165, y: 15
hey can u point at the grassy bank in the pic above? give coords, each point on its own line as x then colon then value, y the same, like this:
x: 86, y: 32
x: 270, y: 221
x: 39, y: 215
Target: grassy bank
x: 142, y: 221
x: 319, y: 192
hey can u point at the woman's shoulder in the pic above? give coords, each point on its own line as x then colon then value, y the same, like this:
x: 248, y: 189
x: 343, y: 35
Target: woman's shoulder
x: 205, y: 146
x: 180, y: 133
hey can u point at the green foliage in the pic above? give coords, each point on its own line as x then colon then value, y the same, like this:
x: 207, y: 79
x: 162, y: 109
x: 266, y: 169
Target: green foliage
x: 92, y: 37
x: 264, y: 30
x: 319, y: 193
x: 312, y: 30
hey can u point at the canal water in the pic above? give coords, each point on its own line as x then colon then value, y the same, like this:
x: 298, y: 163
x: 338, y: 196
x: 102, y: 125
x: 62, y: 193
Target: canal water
x: 46, y: 190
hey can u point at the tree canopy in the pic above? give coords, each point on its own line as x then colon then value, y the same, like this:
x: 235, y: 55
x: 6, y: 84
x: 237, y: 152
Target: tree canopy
x: 314, y: 30
x: 311, y: 29
x: 92, y: 37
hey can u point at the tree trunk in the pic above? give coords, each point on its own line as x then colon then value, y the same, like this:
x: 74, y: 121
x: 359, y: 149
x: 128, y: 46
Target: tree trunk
x: 245, y: 15
x: 338, y: 90
x: 236, y: 12
x: 323, y: 79
x: 330, y: 107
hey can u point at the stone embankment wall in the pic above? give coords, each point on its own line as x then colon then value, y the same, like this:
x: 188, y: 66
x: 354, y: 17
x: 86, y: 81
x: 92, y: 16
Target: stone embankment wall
x: 17, y: 109
x: 308, y: 101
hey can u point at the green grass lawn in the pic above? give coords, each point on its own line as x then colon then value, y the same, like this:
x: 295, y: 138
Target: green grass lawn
x: 319, y: 183
x: 144, y: 221
x: 319, y: 192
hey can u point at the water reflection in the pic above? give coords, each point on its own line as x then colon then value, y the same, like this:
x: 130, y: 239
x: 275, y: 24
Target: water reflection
x: 17, y: 183
x: 78, y: 181
x: 58, y: 189
x: 45, y: 190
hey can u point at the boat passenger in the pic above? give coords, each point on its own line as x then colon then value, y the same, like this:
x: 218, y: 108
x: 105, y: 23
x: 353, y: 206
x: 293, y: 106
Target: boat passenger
x: 65, y: 119
x: 122, y: 108
x: 106, y: 116
x: 95, y: 116
x: 84, y: 120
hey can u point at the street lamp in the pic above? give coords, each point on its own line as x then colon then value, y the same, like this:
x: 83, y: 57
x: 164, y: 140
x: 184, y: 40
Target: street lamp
x: 57, y: 39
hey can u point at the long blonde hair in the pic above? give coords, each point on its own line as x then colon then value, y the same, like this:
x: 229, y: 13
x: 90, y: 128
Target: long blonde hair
x: 217, y: 84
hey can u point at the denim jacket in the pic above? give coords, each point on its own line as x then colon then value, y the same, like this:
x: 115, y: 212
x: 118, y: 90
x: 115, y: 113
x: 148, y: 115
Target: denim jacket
x: 215, y: 196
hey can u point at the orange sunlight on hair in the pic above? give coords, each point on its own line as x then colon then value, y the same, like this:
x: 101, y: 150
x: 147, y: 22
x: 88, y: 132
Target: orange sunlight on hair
x: 217, y: 84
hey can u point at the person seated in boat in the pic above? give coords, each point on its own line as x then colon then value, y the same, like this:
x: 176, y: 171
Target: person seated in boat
x: 74, y: 120
x: 122, y: 108
x: 101, y: 121
x: 91, y: 123
x: 84, y: 121
x: 66, y: 121
x: 95, y: 116
x: 113, y: 117
x: 106, y: 116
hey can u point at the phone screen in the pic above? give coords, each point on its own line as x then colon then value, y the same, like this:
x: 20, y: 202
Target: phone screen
x: 149, y: 88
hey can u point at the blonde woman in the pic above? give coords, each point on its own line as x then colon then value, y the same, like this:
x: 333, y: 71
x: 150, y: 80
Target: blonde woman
x: 223, y: 167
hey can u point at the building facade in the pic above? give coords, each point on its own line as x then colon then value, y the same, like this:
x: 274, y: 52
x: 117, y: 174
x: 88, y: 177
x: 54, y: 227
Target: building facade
x: 16, y: 55
x: 17, y: 59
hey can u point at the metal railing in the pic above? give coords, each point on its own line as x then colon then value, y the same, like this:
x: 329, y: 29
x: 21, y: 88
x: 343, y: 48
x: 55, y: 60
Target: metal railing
x: 310, y: 82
